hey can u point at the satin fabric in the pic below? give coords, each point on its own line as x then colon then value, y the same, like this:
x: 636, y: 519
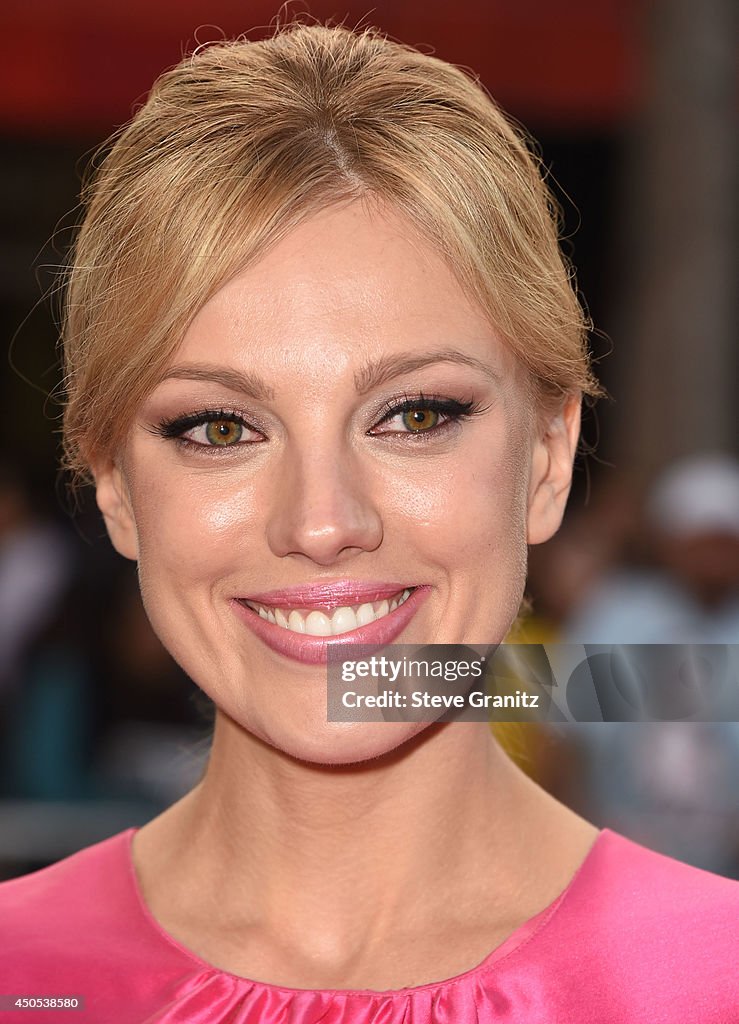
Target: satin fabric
x: 635, y: 937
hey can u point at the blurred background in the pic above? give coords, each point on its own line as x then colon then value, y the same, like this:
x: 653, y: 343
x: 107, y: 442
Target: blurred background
x: 633, y: 104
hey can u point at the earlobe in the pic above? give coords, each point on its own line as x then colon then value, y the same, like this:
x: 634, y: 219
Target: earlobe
x: 551, y: 472
x: 113, y: 500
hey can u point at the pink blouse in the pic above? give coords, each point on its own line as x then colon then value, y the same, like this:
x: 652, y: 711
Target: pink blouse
x: 635, y: 937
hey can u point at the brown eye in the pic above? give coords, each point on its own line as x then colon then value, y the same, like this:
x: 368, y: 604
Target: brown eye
x: 223, y: 432
x: 419, y: 420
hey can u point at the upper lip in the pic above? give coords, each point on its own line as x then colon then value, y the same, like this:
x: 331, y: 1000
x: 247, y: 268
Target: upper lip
x: 329, y: 594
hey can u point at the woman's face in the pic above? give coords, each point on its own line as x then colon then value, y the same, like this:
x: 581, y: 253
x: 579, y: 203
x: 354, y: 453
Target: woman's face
x: 274, y: 456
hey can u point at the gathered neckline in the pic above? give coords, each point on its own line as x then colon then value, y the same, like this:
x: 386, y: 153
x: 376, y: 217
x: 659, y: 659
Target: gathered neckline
x: 523, y: 934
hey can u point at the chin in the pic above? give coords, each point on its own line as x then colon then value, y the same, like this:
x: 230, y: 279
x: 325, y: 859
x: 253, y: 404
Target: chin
x: 338, y: 743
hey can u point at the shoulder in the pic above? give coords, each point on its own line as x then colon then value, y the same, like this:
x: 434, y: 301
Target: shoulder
x: 658, y: 888
x: 53, y: 903
x: 69, y: 883
x: 80, y: 927
x: 648, y: 897
x: 640, y: 929
x: 63, y: 920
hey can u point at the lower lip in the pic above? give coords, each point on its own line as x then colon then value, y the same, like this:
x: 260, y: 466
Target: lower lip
x: 313, y: 650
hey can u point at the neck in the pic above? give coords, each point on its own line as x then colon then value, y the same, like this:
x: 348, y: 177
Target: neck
x: 446, y: 824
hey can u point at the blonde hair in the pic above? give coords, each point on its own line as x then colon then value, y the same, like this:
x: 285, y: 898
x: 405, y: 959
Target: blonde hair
x: 243, y: 140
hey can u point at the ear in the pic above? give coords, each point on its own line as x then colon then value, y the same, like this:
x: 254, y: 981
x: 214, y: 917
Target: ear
x: 551, y: 471
x: 111, y: 493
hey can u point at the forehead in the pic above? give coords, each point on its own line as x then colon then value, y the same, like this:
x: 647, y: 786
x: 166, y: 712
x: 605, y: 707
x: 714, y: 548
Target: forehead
x: 349, y: 283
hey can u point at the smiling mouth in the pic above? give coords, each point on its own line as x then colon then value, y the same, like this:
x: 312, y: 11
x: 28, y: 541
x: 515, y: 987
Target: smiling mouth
x: 329, y: 622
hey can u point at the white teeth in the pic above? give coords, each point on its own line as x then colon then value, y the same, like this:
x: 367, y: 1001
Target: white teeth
x: 365, y: 615
x: 317, y: 624
x: 296, y: 622
x: 343, y: 619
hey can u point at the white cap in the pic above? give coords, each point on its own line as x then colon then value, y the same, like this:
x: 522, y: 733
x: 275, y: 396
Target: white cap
x: 698, y: 494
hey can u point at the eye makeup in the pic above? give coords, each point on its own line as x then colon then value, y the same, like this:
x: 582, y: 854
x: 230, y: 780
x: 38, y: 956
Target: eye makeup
x: 452, y: 410
x: 445, y: 414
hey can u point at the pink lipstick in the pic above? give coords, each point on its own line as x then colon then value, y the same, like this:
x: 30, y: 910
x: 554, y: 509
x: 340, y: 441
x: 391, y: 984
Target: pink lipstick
x: 313, y: 650
x: 329, y: 594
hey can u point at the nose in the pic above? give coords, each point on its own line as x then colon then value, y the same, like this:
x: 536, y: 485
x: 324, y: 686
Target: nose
x: 322, y: 507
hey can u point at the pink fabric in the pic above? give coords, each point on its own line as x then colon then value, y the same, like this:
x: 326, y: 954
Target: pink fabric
x: 635, y: 937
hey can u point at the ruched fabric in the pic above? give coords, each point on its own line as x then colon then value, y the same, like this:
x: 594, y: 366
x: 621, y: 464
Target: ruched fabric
x: 635, y: 937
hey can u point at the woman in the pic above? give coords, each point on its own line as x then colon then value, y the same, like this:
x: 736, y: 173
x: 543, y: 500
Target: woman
x: 324, y: 365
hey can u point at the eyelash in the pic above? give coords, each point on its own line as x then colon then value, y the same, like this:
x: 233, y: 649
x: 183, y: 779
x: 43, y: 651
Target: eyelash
x: 453, y: 410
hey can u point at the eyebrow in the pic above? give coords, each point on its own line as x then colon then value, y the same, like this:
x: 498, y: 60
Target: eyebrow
x: 369, y: 376
x: 388, y: 367
x: 247, y: 383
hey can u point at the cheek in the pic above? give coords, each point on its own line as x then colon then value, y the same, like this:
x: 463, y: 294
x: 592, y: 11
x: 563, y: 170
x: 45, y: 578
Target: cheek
x: 189, y: 529
x: 468, y: 511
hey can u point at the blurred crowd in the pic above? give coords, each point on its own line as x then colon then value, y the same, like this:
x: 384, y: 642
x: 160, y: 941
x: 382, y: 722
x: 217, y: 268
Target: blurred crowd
x: 648, y: 566
x: 99, y: 729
